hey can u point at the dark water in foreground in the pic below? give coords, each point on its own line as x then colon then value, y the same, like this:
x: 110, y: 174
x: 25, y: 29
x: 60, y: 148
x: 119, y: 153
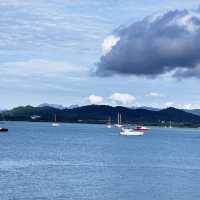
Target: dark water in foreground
x: 91, y: 162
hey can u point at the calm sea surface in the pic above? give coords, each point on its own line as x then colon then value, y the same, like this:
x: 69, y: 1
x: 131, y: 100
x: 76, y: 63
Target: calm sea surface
x: 91, y: 162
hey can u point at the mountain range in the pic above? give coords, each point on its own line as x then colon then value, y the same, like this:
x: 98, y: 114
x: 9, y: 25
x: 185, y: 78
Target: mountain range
x: 100, y: 114
x: 193, y: 111
x: 61, y: 107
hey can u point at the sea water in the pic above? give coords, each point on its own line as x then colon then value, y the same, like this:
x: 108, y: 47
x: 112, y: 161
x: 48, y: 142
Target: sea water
x: 92, y: 162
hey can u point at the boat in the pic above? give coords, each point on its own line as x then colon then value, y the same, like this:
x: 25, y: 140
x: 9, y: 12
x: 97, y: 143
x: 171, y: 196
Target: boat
x: 119, y: 121
x: 141, y: 128
x: 131, y: 132
x: 109, y: 125
x: 170, y: 124
x: 55, y: 124
x: 3, y: 130
x: 3, y: 122
x: 35, y: 117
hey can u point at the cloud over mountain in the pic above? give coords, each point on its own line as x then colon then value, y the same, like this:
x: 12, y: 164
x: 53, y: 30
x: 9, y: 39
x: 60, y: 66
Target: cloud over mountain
x: 169, y: 43
x: 122, y: 99
x: 94, y: 99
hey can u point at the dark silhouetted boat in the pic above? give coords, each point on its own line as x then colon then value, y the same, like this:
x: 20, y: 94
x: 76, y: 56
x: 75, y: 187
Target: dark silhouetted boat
x: 3, y: 130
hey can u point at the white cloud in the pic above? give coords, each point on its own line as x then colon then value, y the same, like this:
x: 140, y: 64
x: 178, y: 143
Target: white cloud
x: 188, y: 106
x: 109, y: 42
x: 186, y: 21
x: 154, y: 94
x: 93, y: 99
x: 122, y: 99
x: 169, y: 104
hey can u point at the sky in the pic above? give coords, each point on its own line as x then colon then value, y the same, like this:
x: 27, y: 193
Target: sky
x: 130, y: 53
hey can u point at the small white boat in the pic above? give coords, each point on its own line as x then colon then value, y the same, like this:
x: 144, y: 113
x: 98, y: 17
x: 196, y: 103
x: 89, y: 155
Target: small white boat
x: 55, y: 124
x: 34, y: 117
x: 118, y: 125
x: 109, y: 124
x: 131, y: 132
x: 170, y: 124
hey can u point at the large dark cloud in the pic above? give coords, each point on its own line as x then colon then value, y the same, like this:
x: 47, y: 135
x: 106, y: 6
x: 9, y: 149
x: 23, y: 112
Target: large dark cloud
x: 155, y: 46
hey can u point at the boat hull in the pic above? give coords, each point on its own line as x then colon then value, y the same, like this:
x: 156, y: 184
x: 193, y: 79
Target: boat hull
x: 55, y: 124
x: 3, y: 130
x: 118, y: 125
x: 141, y: 128
x: 130, y: 132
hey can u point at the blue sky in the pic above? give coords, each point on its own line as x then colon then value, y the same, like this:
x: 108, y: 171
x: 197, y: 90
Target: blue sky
x: 48, y: 49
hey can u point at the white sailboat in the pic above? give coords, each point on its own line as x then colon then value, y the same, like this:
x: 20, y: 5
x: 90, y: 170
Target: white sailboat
x: 170, y: 124
x: 109, y: 125
x: 55, y: 124
x: 119, y: 121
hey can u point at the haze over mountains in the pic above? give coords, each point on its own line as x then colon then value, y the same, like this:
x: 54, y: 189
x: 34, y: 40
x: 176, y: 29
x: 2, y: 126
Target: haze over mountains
x: 61, y: 107
x: 147, y: 108
x: 193, y: 111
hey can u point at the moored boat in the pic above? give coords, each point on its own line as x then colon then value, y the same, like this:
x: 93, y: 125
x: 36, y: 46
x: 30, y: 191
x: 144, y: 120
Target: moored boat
x: 170, y: 124
x: 109, y: 124
x: 55, y: 124
x: 141, y: 128
x: 3, y: 130
x: 131, y: 132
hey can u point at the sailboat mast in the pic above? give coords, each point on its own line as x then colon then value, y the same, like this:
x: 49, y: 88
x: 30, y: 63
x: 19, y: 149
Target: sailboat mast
x: 109, y: 120
x: 55, y: 118
x: 117, y: 118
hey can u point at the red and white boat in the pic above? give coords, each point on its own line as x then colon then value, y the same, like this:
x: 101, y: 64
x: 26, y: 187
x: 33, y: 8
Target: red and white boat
x: 141, y: 128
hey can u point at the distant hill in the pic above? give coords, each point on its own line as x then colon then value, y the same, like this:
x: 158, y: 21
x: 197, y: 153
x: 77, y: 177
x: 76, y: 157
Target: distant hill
x: 146, y: 108
x: 194, y: 111
x: 61, y: 107
x: 73, y: 106
x: 100, y: 114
